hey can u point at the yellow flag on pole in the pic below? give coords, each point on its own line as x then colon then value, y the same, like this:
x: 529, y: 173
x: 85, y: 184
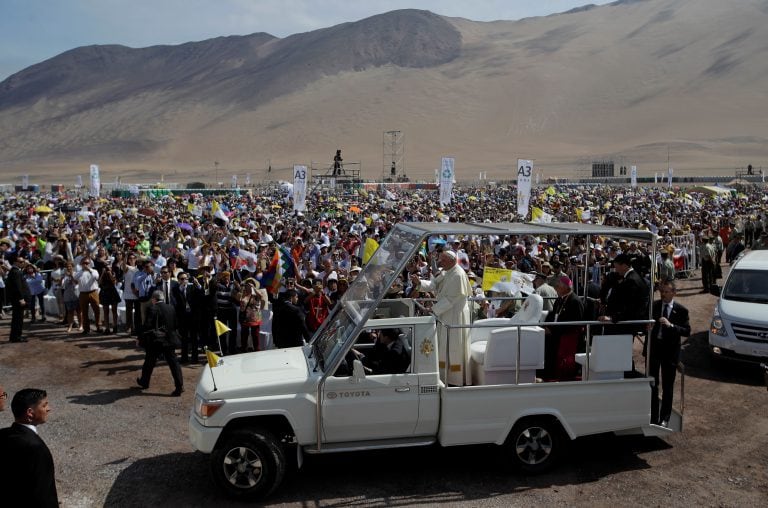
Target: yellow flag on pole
x: 221, y: 328
x: 213, y: 358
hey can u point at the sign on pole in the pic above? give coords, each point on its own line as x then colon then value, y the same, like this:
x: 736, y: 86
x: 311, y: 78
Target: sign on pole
x: 524, y: 172
x: 234, y: 181
x: 25, y: 182
x: 669, y: 177
x: 633, y: 176
x: 95, y: 181
x: 300, y: 176
x: 446, y: 180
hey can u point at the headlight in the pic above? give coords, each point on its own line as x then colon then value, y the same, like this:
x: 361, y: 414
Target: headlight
x: 717, y: 327
x: 206, y: 408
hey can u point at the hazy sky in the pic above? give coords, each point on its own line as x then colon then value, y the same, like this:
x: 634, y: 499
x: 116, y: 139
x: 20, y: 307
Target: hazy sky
x: 34, y: 30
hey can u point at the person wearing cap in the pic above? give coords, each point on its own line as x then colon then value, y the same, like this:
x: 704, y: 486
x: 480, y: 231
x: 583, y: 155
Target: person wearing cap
x: 545, y: 291
x: 88, y: 282
x: 561, y: 342
x: 158, y: 260
x: 628, y: 300
x: 452, y: 308
x: 666, y: 267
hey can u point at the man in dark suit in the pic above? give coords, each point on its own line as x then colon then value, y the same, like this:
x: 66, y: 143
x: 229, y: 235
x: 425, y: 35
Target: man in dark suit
x: 628, y: 299
x: 160, y: 338
x: 26, y: 463
x: 388, y: 355
x: 289, y: 328
x: 17, y: 292
x: 166, y: 285
x: 182, y: 296
x: 670, y: 324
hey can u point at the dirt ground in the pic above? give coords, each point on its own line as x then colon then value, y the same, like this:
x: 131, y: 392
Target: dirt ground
x: 114, y: 445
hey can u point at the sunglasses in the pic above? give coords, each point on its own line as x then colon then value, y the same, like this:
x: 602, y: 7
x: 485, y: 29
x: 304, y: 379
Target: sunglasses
x: 4, y: 395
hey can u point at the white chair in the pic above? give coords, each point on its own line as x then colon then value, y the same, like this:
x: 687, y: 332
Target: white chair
x: 478, y: 339
x: 500, y: 362
x: 610, y: 356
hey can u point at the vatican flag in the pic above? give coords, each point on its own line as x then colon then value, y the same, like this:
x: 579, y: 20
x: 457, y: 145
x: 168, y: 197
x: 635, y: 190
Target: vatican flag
x: 213, y: 359
x: 221, y: 328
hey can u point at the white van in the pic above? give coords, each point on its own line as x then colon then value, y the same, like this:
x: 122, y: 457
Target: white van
x: 739, y: 329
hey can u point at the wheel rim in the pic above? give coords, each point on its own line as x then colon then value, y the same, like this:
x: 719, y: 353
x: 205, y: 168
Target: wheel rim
x: 533, y: 446
x: 242, y: 467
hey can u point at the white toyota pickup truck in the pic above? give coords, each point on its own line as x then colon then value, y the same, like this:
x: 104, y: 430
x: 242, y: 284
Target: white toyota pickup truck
x: 257, y: 413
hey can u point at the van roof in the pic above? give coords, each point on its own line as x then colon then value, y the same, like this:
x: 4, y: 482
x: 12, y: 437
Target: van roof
x: 753, y: 260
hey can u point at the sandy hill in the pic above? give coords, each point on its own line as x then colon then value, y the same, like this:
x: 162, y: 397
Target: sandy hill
x: 633, y: 81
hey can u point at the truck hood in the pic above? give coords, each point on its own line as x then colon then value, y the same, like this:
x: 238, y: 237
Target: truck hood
x: 746, y: 312
x: 274, y: 372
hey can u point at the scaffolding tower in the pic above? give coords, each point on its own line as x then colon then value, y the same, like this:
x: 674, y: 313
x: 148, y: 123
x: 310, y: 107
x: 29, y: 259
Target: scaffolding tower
x: 393, y: 166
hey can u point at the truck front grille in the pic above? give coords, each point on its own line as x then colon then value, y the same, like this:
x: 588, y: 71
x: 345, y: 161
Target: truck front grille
x: 750, y: 333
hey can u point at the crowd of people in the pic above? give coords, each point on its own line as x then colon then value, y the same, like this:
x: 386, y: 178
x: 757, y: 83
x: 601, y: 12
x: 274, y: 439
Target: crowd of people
x: 212, y: 259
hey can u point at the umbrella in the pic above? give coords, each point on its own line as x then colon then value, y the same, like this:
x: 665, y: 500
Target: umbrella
x: 115, y: 211
x: 355, y: 209
x: 43, y: 209
x: 185, y: 226
x: 147, y: 212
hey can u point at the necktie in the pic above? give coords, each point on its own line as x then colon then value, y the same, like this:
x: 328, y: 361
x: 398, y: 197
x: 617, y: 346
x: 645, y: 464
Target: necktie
x: 167, y: 296
x: 667, y: 308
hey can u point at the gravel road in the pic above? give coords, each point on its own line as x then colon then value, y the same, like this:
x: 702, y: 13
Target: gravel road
x: 114, y: 445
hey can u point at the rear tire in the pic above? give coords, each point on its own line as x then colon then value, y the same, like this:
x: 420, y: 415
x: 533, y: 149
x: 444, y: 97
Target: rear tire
x: 535, y: 444
x: 249, y: 465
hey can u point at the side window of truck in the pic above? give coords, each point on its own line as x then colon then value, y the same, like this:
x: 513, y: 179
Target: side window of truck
x: 382, y: 351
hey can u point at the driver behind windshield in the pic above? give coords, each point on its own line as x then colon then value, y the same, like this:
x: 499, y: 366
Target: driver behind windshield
x: 388, y: 355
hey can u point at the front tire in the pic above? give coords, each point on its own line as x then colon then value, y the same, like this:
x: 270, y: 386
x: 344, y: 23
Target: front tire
x: 249, y: 465
x: 535, y: 444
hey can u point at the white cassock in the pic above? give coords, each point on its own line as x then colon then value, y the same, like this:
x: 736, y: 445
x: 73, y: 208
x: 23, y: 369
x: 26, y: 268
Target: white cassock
x: 452, y: 308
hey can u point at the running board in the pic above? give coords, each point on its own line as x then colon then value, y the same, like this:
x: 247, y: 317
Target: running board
x: 379, y: 444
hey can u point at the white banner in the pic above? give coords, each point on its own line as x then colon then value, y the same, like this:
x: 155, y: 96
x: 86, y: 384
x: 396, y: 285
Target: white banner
x: 25, y: 182
x: 669, y: 177
x: 95, y: 181
x: 248, y: 180
x: 524, y: 172
x: 300, y: 177
x: 446, y: 180
x: 633, y: 176
x: 234, y: 181
x: 655, y: 178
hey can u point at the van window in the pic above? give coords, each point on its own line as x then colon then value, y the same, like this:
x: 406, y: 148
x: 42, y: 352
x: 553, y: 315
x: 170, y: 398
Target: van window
x: 747, y: 286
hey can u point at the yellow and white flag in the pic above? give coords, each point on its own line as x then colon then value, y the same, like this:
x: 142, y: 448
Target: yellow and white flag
x: 221, y: 328
x: 371, y: 246
x: 213, y: 359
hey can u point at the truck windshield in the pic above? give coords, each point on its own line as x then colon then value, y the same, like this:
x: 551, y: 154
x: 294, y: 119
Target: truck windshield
x: 364, y: 294
x: 747, y: 286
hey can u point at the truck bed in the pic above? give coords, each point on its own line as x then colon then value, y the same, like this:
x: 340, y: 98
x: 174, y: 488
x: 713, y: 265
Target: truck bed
x: 486, y: 414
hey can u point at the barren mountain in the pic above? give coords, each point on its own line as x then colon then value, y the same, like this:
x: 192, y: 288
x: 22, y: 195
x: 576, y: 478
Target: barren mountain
x: 633, y: 80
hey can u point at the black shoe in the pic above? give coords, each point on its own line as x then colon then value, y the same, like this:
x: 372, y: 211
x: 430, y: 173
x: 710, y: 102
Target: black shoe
x: 177, y: 392
x: 20, y: 339
x: 184, y: 361
x: 84, y: 332
x: 141, y: 383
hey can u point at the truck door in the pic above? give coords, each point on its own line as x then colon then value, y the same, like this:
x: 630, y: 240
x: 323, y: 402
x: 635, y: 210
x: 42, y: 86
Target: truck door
x: 384, y: 404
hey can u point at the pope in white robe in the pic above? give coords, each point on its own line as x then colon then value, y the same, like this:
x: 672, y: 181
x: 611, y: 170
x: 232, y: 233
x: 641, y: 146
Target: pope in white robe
x: 452, y: 289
